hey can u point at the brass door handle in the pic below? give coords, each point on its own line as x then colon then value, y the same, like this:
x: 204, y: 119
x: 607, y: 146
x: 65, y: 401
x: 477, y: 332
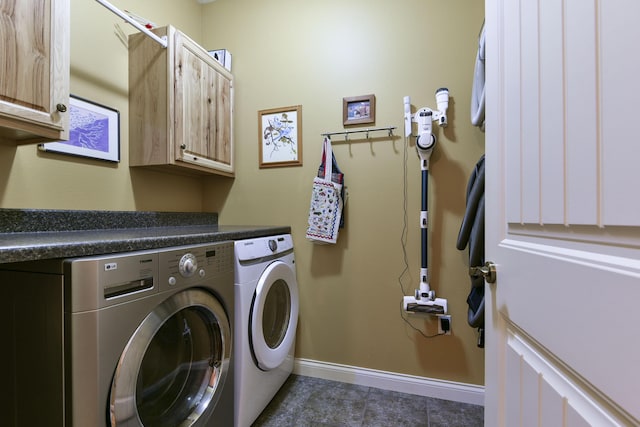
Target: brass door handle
x: 488, y: 271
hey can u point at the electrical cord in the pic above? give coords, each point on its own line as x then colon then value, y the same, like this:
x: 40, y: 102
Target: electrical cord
x: 403, y: 238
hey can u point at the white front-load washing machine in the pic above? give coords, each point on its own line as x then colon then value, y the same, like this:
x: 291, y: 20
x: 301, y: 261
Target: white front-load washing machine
x: 147, y: 337
x: 266, y: 319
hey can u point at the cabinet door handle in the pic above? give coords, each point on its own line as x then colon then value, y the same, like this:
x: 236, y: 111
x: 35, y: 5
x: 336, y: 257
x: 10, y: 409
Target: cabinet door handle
x: 61, y: 108
x: 183, y: 146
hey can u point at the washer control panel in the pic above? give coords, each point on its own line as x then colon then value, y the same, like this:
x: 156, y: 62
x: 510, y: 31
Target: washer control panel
x: 132, y: 275
x: 188, y: 265
x: 185, y: 267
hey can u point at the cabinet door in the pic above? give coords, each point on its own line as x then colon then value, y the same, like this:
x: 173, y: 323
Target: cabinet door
x: 34, y: 82
x: 203, y: 108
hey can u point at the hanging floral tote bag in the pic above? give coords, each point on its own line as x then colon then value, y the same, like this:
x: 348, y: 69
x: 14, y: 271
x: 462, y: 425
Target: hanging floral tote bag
x: 325, y: 211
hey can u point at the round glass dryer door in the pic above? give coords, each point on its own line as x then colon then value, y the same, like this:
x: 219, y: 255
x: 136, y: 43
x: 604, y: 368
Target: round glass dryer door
x: 172, y: 370
x: 274, y: 316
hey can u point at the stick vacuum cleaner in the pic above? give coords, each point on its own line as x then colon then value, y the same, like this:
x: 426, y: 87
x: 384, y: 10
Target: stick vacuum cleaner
x: 424, y: 300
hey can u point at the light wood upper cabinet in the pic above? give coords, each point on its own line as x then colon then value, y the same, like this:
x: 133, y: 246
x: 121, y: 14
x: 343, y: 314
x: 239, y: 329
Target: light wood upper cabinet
x: 34, y: 71
x: 180, y: 106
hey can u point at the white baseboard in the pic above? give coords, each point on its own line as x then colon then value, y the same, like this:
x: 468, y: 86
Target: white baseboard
x: 448, y: 390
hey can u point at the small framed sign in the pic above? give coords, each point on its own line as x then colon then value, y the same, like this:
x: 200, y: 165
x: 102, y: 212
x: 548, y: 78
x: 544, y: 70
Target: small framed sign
x: 359, y: 110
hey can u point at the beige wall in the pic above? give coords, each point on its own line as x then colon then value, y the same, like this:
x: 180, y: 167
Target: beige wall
x: 314, y: 55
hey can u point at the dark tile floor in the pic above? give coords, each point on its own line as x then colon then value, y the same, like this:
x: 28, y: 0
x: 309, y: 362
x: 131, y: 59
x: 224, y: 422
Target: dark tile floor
x: 308, y: 401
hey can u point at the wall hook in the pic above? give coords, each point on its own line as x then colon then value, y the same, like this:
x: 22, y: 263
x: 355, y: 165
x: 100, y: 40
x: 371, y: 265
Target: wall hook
x: 367, y: 131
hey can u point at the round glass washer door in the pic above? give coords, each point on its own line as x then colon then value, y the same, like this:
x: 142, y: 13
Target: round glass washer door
x: 274, y: 316
x: 172, y: 369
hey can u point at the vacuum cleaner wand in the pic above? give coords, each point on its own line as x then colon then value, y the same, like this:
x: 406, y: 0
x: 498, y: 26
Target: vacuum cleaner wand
x: 424, y: 300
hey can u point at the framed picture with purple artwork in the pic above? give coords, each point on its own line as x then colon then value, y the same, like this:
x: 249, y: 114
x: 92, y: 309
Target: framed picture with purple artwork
x: 94, y: 132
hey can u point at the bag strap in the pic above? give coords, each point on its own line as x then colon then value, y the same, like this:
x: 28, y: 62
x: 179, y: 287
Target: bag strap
x: 327, y: 153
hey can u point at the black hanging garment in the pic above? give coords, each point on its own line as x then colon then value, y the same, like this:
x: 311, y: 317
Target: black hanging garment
x: 472, y: 232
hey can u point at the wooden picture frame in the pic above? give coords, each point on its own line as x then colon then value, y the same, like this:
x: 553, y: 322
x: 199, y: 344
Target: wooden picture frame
x: 358, y: 110
x: 280, y: 137
x: 94, y: 132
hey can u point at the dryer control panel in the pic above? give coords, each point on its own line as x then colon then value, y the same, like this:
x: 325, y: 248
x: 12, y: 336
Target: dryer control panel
x: 263, y: 247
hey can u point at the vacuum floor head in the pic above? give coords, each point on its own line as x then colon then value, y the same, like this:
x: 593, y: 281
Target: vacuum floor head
x: 425, y: 309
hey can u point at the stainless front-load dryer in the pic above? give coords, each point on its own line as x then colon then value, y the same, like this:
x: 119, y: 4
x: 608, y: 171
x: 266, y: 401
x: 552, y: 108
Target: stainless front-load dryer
x: 148, y: 337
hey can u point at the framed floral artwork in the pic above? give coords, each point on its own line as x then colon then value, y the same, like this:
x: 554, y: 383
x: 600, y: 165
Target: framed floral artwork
x: 280, y: 136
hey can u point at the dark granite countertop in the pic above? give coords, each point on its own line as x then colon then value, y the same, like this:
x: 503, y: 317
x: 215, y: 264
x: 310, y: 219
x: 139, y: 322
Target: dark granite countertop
x: 28, y: 235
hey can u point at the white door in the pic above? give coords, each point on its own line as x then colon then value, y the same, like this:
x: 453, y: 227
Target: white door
x: 563, y: 212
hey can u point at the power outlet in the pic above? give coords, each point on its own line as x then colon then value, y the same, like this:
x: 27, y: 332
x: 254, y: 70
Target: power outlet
x: 444, y: 324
